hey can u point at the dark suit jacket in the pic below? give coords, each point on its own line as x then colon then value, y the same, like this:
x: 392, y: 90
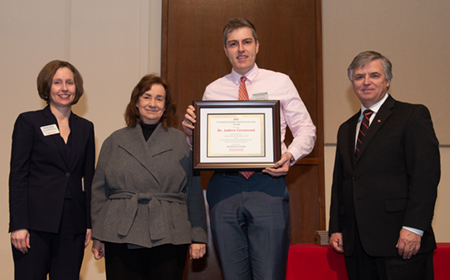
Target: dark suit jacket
x: 40, y: 174
x: 392, y: 184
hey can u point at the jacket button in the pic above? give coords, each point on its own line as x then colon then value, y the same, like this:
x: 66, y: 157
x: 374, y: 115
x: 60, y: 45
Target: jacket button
x: 67, y: 174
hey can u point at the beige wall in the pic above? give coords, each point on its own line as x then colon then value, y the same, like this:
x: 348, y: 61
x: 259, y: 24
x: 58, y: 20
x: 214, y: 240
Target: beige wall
x: 115, y: 42
x: 413, y: 34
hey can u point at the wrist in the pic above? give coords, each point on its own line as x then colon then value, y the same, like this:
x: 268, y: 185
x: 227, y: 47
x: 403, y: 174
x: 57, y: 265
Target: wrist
x: 292, y: 159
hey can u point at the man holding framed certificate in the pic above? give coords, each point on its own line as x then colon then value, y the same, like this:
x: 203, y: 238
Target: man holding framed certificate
x: 249, y: 211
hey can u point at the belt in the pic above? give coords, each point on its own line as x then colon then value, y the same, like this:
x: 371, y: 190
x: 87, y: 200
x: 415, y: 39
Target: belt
x: 234, y: 172
x: 156, y: 226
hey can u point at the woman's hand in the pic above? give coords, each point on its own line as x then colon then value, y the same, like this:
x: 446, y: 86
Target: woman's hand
x: 98, y: 249
x: 88, y: 238
x: 196, y: 251
x: 21, y: 240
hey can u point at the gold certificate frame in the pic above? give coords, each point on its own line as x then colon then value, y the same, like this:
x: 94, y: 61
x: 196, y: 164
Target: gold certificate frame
x: 236, y: 134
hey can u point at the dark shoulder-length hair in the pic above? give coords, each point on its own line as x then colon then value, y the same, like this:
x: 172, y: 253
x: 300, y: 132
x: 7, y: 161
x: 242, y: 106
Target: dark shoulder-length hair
x: 132, y: 113
x: 45, y: 79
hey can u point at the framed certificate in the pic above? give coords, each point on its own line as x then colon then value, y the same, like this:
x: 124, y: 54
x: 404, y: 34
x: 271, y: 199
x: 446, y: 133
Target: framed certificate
x: 242, y: 135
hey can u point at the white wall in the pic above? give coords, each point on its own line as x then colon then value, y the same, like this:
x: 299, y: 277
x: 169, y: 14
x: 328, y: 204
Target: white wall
x: 113, y: 43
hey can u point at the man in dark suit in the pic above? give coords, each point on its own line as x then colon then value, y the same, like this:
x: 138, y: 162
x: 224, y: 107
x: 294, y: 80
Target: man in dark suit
x: 386, y: 173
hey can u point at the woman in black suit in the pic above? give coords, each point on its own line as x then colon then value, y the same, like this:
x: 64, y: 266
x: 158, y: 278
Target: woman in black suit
x: 52, y: 166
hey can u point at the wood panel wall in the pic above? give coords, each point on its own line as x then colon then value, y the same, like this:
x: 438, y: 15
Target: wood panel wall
x: 289, y: 34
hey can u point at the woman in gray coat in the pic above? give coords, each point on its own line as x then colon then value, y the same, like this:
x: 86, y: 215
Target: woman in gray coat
x: 147, y: 205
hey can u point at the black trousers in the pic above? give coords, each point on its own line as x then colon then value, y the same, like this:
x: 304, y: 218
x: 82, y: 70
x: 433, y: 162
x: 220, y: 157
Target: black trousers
x: 165, y: 262
x: 58, y: 255
x: 361, y: 266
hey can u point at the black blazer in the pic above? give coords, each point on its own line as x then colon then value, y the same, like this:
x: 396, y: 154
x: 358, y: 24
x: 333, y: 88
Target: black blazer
x: 392, y: 184
x: 40, y: 175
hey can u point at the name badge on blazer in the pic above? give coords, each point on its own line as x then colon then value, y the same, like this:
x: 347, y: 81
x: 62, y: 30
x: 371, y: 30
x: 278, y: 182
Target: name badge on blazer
x: 49, y: 129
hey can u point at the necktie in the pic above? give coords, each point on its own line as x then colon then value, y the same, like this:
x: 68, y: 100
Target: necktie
x: 243, y: 95
x: 362, y: 130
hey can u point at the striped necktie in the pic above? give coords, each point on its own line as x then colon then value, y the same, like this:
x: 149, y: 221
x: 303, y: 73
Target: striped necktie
x: 363, y: 130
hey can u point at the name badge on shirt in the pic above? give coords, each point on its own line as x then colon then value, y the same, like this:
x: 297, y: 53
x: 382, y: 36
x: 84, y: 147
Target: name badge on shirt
x: 49, y: 129
x: 260, y: 96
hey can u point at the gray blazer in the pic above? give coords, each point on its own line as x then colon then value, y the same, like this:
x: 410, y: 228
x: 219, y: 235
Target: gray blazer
x: 145, y: 193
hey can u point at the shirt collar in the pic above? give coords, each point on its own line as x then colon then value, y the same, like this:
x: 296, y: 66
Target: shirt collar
x: 250, y: 75
x: 374, y: 107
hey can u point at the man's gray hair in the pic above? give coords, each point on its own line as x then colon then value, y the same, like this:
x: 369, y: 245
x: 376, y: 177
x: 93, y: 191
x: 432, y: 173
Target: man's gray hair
x: 366, y: 57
